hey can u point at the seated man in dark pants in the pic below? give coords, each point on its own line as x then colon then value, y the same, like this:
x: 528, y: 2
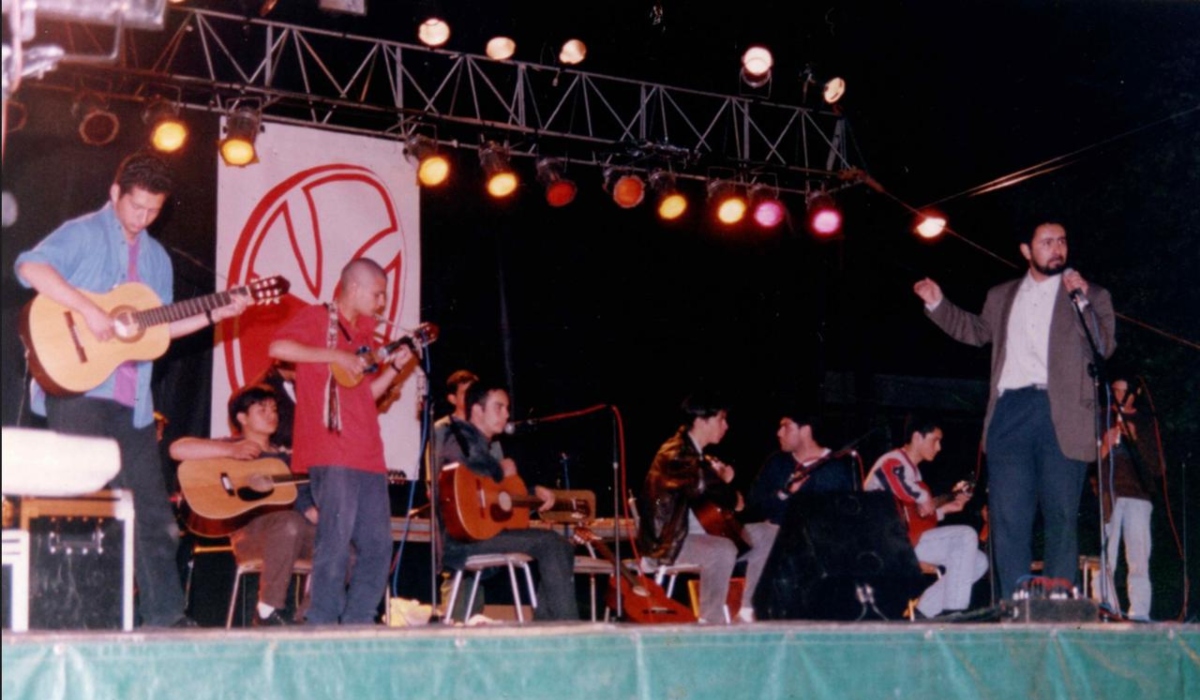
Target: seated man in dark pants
x: 471, y: 444
x: 279, y: 537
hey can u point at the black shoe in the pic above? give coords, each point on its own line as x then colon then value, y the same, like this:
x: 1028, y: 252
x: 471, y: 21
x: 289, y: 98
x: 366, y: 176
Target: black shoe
x: 272, y: 620
x: 184, y: 622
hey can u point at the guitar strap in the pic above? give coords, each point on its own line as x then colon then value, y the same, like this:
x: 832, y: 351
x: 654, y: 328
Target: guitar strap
x: 333, y: 408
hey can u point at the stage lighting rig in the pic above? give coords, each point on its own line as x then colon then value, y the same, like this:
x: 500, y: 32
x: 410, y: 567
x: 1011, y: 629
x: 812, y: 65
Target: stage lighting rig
x: 242, y: 126
x: 168, y: 132
x: 433, y: 168
x: 560, y: 190
x: 501, y: 178
x: 671, y: 203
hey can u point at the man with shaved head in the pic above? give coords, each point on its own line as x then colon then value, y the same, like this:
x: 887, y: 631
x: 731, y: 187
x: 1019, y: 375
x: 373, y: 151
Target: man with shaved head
x: 337, y: 443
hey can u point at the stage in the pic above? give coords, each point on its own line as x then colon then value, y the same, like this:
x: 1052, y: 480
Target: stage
x: 763, y: 660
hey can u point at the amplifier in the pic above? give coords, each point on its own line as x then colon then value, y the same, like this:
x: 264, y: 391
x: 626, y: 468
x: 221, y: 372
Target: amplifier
x: 1051, y: 610
x: 80, y: 561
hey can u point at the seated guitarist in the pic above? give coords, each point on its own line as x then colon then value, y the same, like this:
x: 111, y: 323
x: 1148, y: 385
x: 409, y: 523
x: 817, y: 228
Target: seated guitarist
x: 954, y: 547
x: 471, y: 443
x: 93, y: 254
x: 681, y: 477
x: 801, y: 465
x: 278, y: 537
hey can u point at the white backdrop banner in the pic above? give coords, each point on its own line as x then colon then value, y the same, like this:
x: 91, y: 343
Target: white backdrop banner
x: 314, y: 201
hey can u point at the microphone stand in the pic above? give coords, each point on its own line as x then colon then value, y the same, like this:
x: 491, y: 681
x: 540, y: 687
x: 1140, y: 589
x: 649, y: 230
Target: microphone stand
x: 1096, y: 370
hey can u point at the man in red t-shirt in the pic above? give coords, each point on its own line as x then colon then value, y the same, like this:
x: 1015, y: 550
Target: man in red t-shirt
x: 336, y: 441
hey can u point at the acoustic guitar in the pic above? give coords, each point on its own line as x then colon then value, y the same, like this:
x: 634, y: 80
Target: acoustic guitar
x: 222, y: 495
x: 718, y: 520
x: 476, y: 508
x: 920, y: 524
x: 642, y: 600
x: 425, y: 334
x: 65, y: 358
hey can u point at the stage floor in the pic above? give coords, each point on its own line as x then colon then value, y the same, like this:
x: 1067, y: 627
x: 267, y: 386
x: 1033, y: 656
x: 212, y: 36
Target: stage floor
x: 597, y: 660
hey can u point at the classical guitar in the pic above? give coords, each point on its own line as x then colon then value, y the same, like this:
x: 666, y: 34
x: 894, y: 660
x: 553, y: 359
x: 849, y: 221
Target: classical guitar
x: 476, y: 508
x: 222, y: 494
x: 425, y: 334
x: 642, y: 600
x: 919, y: 524
x: 65, y: 358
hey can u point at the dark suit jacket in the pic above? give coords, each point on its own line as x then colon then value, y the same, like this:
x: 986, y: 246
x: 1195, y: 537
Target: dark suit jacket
x: 1072, y: 400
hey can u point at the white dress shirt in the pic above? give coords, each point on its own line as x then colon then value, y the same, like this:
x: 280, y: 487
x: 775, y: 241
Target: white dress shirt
x: 1028, y: 339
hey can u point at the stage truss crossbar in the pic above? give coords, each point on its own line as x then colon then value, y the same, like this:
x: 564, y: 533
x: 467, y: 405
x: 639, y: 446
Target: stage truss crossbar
x: 328, y: 80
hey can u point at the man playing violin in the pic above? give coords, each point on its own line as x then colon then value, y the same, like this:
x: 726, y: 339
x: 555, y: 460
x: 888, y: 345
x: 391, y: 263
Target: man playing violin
x: 337, y: 442
x: 801, y: 465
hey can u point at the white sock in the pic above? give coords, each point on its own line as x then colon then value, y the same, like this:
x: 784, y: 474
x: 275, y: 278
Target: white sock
x: 264, y: 610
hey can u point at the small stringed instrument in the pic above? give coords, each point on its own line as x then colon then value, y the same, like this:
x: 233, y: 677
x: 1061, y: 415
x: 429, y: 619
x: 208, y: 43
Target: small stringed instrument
x: 919, y: 524
x: 65, y: 358
x: 223, y: 494
x: 425, y: 334
x: 642, y: 600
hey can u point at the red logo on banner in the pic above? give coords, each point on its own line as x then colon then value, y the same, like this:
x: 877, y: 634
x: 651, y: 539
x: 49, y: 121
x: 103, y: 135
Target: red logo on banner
x: 290, y: 233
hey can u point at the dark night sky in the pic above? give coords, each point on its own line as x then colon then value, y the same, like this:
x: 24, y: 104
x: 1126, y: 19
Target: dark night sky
x: 611, y: 306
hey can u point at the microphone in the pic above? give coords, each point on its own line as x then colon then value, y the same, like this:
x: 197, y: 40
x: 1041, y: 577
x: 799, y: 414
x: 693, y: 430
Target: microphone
x: 1076, y: 295
x: 521, y: 426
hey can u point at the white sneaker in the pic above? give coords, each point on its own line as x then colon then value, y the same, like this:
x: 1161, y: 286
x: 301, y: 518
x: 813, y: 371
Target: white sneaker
x: 746, y: 615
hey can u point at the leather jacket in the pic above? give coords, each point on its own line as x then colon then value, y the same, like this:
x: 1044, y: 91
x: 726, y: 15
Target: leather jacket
x: 678, y: 475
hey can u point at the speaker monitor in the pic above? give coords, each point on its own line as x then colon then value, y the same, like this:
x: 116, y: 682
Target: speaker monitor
x: 831, y: 547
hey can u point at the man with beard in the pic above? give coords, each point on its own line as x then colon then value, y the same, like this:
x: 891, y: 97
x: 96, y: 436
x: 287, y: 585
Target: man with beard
x: 1039, y: 431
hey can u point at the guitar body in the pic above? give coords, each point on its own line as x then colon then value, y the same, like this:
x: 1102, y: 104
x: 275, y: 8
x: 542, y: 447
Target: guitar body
x: 721, y: 522
x: 920, y: 524
x: 224, y: 494
x: 476, y: 508
x: 642, y: 600
x: 65, y: 358
x: 645, y: 602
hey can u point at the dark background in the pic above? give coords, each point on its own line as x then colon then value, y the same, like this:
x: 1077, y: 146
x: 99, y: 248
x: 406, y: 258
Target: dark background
x: 592, y: 304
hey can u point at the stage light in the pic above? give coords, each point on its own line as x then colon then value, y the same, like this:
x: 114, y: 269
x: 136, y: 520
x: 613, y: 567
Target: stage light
x: 501, y: 179
x: 168, y: 133
x: 560, y: 191
x: 671, y: 202
x: 97, y: 125
x: 434, y: 32
x: 573, y: 52
x: 765, y: 207
x: 931, y: 226
x: 628, y: 189
x: 824, y: 217
x: 501, y: 48
x: 834, y: 89
x: 728, y: 201
x: 433, y: 168
x: 241, y: 131
x: 756, y: 66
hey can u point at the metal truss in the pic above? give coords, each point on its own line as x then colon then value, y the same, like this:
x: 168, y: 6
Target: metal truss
x: 215, y: 61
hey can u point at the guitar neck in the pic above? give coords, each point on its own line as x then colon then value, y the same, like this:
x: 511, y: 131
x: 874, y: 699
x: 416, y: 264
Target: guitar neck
x: 186, y: 309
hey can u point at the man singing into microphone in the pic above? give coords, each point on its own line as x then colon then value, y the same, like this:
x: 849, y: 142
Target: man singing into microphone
x: 1039, y: 431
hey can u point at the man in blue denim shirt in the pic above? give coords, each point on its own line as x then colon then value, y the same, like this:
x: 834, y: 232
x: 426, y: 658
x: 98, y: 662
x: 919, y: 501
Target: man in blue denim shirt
x: 95, y: 253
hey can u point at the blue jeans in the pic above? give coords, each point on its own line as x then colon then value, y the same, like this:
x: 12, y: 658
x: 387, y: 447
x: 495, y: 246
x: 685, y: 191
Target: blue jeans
x: 1130, y: 522
x: 352, y: 510
x: 155, y: 531
x: 1027, y: 469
